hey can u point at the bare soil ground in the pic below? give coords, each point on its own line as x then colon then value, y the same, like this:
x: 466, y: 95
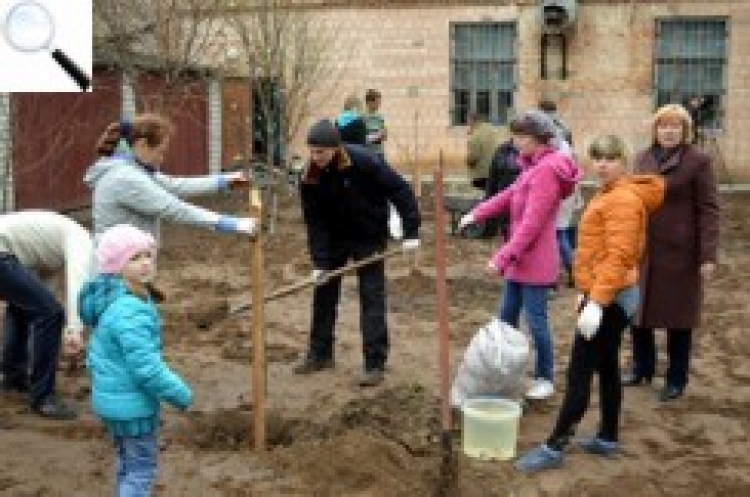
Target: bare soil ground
x: 328, y: 437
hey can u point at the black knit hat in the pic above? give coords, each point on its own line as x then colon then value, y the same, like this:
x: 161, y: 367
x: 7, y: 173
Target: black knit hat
x: 323, y: 134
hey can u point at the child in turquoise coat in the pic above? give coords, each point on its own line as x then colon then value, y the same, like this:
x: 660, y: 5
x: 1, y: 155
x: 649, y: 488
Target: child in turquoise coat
x: 129, y: 378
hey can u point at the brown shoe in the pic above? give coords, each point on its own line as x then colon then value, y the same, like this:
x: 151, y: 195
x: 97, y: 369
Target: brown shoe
x: 309, y: 365
x: 371, y: 378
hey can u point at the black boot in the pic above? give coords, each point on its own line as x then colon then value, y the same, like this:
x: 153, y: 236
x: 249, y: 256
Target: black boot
x: 632, y: 379
x: 671, y: 392
x: 311, y: 364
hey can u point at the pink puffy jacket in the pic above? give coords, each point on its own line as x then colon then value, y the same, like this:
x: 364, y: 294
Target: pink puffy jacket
x: 530, y: 255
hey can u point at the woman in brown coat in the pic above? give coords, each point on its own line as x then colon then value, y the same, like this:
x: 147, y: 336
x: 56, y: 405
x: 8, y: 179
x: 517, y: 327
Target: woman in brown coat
x: 680, y: 252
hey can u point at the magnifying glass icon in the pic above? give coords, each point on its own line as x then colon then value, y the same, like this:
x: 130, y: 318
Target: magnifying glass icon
x: 29, y: 27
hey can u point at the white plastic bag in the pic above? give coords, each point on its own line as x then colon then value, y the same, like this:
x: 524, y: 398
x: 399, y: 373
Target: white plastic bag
x: 494, y: 363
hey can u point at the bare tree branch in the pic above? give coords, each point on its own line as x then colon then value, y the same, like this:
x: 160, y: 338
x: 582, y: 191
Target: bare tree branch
x: 172, y: 38
x: 289, y: 56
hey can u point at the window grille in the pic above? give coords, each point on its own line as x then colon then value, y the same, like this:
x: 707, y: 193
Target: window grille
x: 690, y: 67
x: 483, y: 70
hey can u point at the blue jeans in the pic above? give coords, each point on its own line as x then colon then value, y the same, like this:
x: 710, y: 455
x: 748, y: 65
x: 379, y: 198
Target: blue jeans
x: 565, y: 243
x: 533, y: 299
x: 32, y: 313
x: 136, y: 465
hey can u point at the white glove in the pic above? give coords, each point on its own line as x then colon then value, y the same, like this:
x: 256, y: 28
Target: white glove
x: 247, y: 225
x: 466, y: 220
x: 410, y: 244
x: 72, y: 340
x: 237, y: 180
x: 319, y: 276
x: 590, y: 319
x: 395, y: 226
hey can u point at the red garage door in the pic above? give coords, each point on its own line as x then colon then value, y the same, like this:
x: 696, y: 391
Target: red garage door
x: 54, y: 135
x: 187, y: 106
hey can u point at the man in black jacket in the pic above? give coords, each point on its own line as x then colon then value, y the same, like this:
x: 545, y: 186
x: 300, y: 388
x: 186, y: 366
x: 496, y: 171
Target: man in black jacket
x: 345, y: 193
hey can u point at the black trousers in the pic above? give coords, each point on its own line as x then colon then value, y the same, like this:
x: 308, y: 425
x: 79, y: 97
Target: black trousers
x: 679, y: 347
x: 601, y: 354
x: 372, y: 301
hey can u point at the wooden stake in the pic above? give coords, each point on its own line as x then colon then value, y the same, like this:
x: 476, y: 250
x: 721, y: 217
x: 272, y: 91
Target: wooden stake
x: 442, y: 295
x: 258, y: 324
x: 417, y: 180
x: 448, y: 481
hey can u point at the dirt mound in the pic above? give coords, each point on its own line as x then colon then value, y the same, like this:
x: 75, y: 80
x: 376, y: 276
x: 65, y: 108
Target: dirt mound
x: 232, y: 429
x: 389, y: 441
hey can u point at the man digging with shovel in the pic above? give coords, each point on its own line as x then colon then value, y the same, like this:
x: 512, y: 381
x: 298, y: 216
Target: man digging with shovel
x: 345, y: 193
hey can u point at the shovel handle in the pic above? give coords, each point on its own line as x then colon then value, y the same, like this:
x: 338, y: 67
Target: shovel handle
x: 309, y: 281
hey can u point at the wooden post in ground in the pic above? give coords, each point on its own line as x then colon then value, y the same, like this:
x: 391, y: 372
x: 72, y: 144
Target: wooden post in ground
x: 448, y: 482
x: 417, y: 185
x: 258, y: 324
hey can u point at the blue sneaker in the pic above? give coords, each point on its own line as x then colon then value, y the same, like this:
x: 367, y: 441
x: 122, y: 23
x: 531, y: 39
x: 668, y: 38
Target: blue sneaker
x: 598, y: 446
x: 539, y: 459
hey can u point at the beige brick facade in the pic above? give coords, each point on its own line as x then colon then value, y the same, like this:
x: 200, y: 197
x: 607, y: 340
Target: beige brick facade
x: 404, y: 52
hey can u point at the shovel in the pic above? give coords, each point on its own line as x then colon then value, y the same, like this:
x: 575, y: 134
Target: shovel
x: 310, y: 281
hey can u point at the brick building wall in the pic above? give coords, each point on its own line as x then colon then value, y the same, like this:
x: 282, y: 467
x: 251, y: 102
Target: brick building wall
x: 404, y: 52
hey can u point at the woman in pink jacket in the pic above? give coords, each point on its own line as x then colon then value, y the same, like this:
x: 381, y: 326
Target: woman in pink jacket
x: 530, y: 261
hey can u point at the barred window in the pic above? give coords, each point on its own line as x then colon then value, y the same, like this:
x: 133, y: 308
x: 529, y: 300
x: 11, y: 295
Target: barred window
x: 690, y: 66
x: 483, y: 70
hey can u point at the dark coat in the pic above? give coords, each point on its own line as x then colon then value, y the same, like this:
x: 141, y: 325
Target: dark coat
x: 503, y: 172
x: 504, y: 168
x: 682, y: 235
x: 345, y: 205
x: 354, y: 132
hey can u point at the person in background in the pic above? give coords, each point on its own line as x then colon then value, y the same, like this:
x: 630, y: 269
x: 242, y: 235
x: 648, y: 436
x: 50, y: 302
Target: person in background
x: 566, y: 230
x: 349, y: 122
x: 699, y: 108
x: 611, y: 244
x: 345, y: 193
x: 529, y: 259
x: 36, y: 246
x: 129, y: 188
x: 549, y: 107
x: 504, y: 170
x: 482, y: 142
x: 681, y: 250
x: 377, y: 133
x: 569, y: 208
x: 129, y: 378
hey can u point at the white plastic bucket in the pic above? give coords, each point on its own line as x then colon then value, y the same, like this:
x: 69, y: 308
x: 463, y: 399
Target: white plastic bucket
x: 490, y: 428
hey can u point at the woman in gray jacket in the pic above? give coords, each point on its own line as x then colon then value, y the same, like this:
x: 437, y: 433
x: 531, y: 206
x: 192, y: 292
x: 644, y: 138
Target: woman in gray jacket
x: 129, y: 188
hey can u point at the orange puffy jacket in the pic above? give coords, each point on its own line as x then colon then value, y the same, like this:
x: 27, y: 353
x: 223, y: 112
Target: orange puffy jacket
x: 612, y: 236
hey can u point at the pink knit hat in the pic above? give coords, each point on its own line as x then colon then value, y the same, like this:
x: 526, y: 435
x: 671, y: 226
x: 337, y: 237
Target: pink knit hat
x: 118, y: 245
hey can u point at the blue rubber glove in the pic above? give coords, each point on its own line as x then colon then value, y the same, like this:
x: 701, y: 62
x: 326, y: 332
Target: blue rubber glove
x: 222, y: 182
